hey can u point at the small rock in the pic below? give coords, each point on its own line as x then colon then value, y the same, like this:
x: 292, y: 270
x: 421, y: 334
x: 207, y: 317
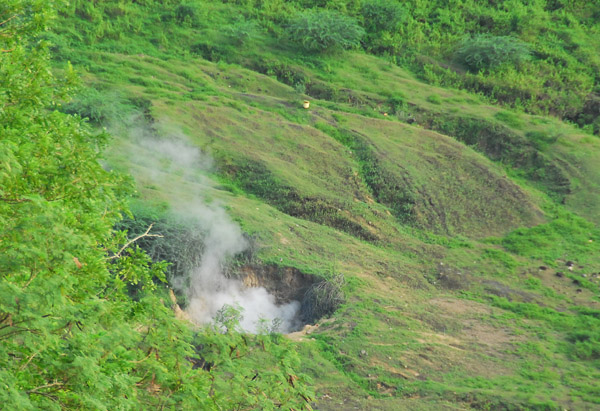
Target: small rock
x: 363, y: 353
x: 579, y: 290
x: 559, y: 274
x: 569, y: 263
x: 543, y: 267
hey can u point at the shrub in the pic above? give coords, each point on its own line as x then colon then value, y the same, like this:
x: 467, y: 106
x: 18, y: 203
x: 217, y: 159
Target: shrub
x: 239, y: 33
x: 323, y: 298
x: 484, y: 51
x: 510, y: 119
x: 185, y: 12
x: 586, y: 344
x: 396, y: 103
x: 209, y: 51
x: 434, y: 99
x: 321, y: 31
x: 380, y: 15
x: 98, y: 107
x: 541, y: 140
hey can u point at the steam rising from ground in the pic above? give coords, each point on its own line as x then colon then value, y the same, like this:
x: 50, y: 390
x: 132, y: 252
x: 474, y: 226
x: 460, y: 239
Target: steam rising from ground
x: 209, y: 290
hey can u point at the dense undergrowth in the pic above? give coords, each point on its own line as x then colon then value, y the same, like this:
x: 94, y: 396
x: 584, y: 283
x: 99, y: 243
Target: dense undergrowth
x: 437, y: 170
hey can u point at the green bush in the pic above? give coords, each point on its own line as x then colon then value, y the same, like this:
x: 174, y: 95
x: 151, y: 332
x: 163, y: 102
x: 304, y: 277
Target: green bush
x: 541, y: 140
x: 324, y: 31
x: 509, y: 118
x: 99, y: 107
x: 380, y: 15
x: 323, y: 298
x: 586, y: 344
x: 186, y: 12
x: 484, y: 51
x: 434, y: 99
x: 240, y: 32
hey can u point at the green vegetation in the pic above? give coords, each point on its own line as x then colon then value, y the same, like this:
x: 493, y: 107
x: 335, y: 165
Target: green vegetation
x: 323, y: 299
x: 485, y: 52
x: 324, y: 31
x: 442, y: 189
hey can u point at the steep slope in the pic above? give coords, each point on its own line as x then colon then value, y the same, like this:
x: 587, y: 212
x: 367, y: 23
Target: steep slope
x: 452, y: 219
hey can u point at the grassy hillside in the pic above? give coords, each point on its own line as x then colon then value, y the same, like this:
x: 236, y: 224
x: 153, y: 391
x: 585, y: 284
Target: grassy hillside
x: 461, y: 205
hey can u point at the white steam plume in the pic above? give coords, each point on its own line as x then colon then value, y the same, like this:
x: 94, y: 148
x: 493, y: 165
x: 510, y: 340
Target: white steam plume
x: 209, y: 289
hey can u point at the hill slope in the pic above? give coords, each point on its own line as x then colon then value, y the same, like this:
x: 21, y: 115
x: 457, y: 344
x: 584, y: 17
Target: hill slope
x: 449, y: 214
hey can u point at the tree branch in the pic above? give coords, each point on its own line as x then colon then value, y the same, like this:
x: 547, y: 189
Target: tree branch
x: 54, y: 384
x: 144, y: 359
x: 118, y: 255
x: 14, y: 200
x: 31, y: 357
x: 8, y: 19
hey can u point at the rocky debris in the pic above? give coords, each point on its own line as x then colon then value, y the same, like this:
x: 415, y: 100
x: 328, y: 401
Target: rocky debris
x: 451, y: 278
x: 502, y: 290
x: 306, y: 330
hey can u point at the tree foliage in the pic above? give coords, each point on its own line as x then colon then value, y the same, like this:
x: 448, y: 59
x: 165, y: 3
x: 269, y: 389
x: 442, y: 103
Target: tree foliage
x: 484, y: 51
x: 324, y: 31
x: 380, y: 15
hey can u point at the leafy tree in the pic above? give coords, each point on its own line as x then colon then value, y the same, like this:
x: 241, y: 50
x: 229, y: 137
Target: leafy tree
x: 324, y: 31
x: 267, y: 381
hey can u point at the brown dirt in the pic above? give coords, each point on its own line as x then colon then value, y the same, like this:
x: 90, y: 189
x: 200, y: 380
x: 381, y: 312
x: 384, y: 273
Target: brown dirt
x: 285, y: 283
x: 460, y: 307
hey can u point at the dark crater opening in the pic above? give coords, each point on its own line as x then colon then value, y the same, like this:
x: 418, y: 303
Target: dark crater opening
x: 318, y: 297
